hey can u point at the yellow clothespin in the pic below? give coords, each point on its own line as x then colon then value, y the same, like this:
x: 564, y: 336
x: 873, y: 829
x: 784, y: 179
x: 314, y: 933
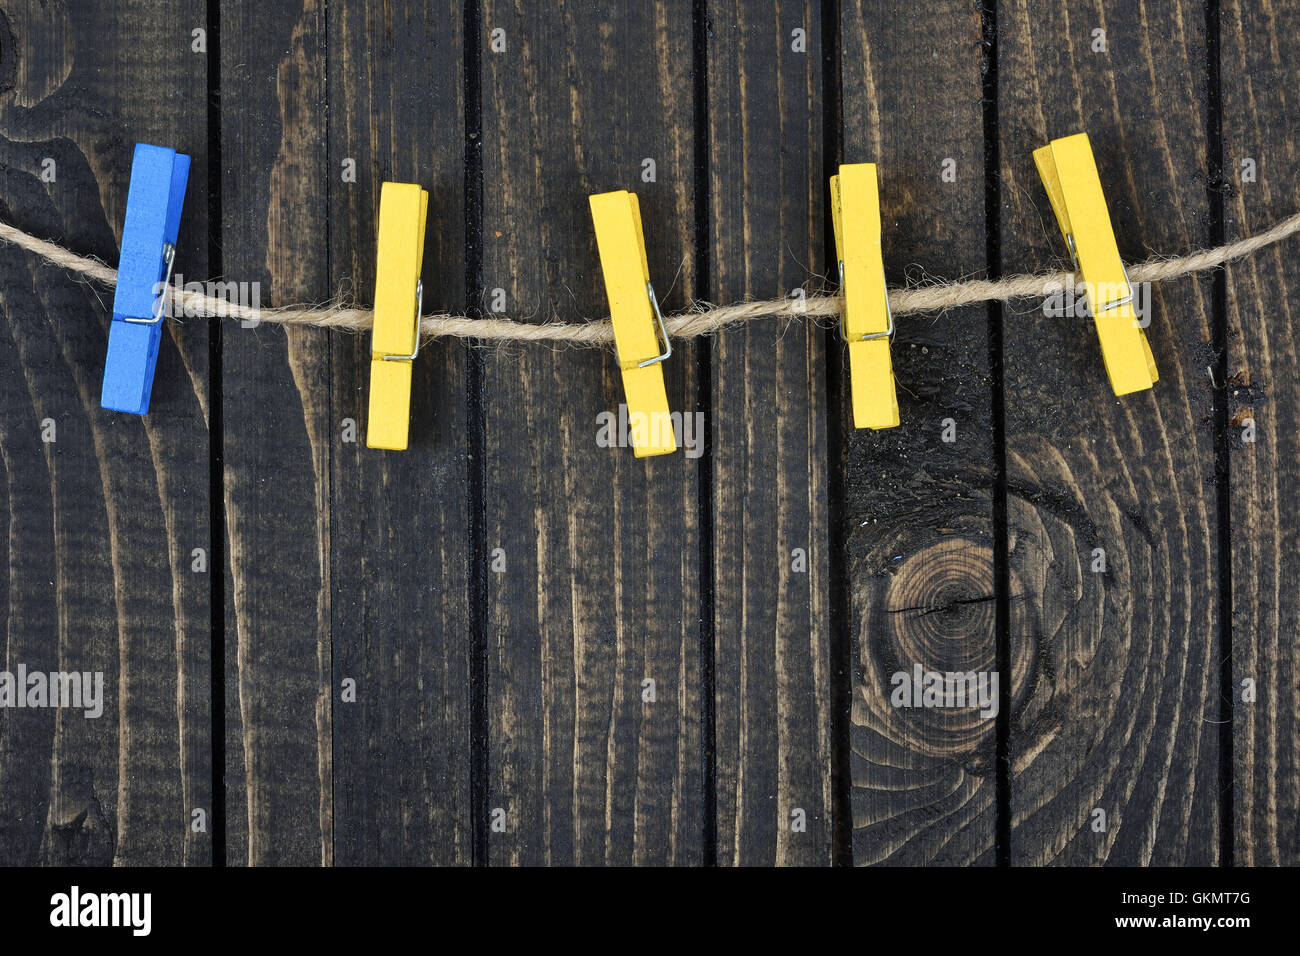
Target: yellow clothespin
x: 634, y: 310
x: 867, y: 323
x: 1069, y: 175
x: 395, y: 340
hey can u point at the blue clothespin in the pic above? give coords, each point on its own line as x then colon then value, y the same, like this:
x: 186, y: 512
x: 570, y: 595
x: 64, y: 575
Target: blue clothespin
x: 153, y: 218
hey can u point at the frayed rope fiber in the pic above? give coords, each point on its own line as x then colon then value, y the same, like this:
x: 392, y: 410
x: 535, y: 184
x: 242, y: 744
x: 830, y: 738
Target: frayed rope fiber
x: 700, y: 321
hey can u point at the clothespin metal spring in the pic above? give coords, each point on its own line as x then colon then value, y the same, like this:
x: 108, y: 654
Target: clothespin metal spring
x: 160, y: 307
x: 663, y: 329
x: 419, y: 310
x: 1074, y: 257
x: 889, y: 311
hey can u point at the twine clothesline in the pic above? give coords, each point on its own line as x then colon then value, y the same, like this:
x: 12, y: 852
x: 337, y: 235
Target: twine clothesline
x: 701, y: 320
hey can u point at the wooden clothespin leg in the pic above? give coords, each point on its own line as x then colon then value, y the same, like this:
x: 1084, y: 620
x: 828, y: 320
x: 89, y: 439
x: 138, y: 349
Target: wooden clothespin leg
x: 1069, y: 174
x: 634, y: 310
x: 153, y: 220
x: 395, y: 339
x: 867, y: 323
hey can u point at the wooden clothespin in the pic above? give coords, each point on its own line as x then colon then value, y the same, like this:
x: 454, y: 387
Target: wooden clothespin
x: 867, y: 324
x: 634, y: 310
x: 153, y: 220
x: 1069, y: 175
x: 399, y: 297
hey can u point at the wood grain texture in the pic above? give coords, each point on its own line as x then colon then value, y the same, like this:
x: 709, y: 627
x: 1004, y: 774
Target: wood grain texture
x: 601, y: 587
x: 1259, y: 50
x: 278, y: 437
x: 1116, y: 704
x: 919, y: 510
x: 100, y: 522
x: 399, y: 520
x: 346, y: 563
x: 768, y: 401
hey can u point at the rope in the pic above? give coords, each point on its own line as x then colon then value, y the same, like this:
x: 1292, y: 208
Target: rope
x: 701, y: 320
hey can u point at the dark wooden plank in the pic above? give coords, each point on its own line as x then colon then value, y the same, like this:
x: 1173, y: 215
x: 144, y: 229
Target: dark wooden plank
x: 919, y: 514
x: 101, y: 522
x: 601, y: 583
x: 279, y: 432
x: 399, y: 520
x: 1115, y: 709
x: 771, y: 604
x: 1259, y: 51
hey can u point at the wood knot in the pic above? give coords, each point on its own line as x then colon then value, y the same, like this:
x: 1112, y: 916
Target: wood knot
x: 929, y: 653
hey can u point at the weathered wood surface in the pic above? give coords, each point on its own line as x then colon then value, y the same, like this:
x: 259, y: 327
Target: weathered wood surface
x: 1114, y: 672
x: 918, y: 511
x: 771, y: 550
x: 102, y: 510
x: 277, y: 438
x: 1261, y: 169
x: 500, y: 594
x: 600, y: 590
x: 399, y: 557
